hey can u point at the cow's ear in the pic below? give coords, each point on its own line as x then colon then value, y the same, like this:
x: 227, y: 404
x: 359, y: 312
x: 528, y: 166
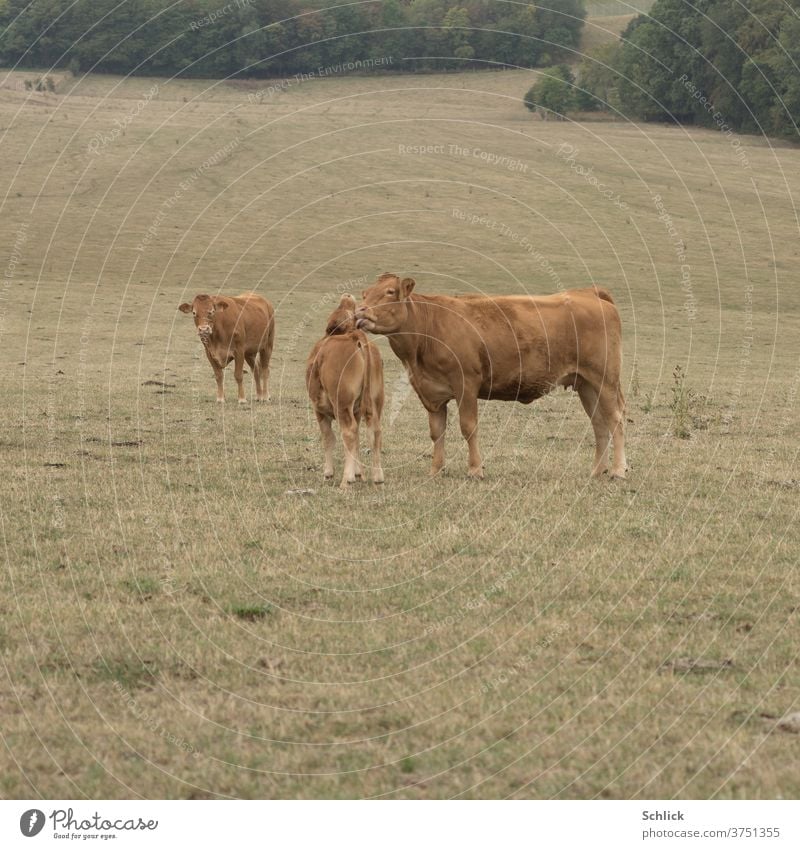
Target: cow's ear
x: 221, y: 305
x: 407, y: 286
x: 185, y: 307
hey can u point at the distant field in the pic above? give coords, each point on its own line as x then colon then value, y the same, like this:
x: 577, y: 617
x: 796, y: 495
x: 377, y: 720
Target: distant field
x: 179, y: 621
x: 601, y: 30
x: 596, y: 8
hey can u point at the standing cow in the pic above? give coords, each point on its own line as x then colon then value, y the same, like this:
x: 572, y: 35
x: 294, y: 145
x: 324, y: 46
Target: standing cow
x: 344, y: 378
x: 240, y: 328
x: 513, y: 348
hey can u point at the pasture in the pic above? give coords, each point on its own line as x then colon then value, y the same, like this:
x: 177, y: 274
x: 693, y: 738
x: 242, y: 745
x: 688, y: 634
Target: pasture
x: 189, y: 611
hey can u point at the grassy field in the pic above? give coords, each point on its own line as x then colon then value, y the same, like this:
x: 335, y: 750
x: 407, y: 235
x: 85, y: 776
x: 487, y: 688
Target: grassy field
x: 178, y: 621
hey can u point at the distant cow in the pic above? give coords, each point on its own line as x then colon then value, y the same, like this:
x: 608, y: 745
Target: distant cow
x: 344, y: 378
x: 514, y: 348
x: 240, y: 328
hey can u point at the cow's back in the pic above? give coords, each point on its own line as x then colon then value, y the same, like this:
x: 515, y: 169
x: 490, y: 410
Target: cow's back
x: 516, y: 347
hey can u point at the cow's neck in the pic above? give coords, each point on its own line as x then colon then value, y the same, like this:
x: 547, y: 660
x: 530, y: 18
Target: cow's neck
x: 410, y: 343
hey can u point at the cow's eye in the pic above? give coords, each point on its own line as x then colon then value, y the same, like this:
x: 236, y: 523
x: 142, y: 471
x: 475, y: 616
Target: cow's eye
x: 390, y: 292
x: 194, y: 313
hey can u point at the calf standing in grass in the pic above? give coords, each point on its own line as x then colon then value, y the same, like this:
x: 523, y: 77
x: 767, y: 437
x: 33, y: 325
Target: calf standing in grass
x: 239, y: 329
x: 344, y: 378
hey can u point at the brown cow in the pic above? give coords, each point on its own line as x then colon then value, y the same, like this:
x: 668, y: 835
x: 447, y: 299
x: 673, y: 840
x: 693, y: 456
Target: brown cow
x: 237, y: 328
x: 344, y: 378
x: 513, y: 348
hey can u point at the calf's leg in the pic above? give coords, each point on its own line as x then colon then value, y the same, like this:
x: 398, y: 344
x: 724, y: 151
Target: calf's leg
x: 328, y: 443
x: 468, y: 419
x: 375, y: 437
x: 437, y: 419
x: 349, y: 428
x: 252, y: 361
x: 265, y: 355
x: 219, y: 376
x: 238, y: 373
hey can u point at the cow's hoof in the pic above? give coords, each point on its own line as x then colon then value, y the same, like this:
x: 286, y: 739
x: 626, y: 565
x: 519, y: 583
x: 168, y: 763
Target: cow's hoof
x: 475, y: 474
x: 243, y: 400
x: 435, y: 473
x: 617, y: 476
x: 328, y: 476
x: 598, y: 473
x: 378, y: 478
x: 220, y: 400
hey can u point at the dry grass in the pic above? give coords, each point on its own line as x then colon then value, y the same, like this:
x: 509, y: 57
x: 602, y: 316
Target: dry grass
x: 175, y: 624
x: 603, y: 29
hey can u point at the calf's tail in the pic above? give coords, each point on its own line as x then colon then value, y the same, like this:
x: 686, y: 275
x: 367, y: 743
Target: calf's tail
x: 603, y: 294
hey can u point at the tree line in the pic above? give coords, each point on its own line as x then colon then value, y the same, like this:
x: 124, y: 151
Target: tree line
x: 269, y: 38
x: 718, y: 63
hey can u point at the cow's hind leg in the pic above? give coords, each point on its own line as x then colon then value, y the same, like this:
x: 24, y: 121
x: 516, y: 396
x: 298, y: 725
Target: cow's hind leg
x: 437, y: 419
x: 468, y: 419
x: 264, y: 355
x: 349, y: 428
x: 252, y: 361
x: 612, y: 402
x: 590, y: 400
x: 328, y: 443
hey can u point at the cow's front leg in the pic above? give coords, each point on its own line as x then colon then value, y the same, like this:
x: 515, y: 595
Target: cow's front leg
x: 468, y: 418
x: 238, y: 373
x: 438, y: 424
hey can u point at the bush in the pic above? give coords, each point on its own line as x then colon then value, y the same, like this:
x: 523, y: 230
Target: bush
x: 553, y: 93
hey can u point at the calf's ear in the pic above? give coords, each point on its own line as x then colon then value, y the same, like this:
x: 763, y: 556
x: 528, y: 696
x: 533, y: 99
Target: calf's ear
x: 185, y: 307
x: 221, y: 305
x: 407, y: 286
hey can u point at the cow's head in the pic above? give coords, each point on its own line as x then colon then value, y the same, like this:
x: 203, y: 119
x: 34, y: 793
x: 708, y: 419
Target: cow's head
x: 384, y: 307
x: 343, y: 318
x: 203, y: 309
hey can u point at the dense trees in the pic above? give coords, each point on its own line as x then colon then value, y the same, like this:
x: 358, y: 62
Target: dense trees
x: 218, y: 38
x: 553, y: 93
x: 710, y: 62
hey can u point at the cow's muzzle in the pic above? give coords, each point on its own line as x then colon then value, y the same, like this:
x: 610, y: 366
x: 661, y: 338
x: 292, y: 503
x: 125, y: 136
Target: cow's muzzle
x: 363, y: 322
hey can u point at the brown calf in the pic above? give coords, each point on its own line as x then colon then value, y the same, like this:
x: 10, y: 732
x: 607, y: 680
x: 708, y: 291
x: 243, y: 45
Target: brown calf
x: 239, y: 329
x: 344, y: 378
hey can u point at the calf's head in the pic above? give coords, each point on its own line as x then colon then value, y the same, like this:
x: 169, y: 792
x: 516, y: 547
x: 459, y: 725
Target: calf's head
x: 343, y: 318
x: 203, y: 309
x: 384, y: 307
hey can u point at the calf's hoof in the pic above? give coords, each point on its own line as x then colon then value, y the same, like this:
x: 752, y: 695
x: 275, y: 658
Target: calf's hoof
x: 377, y: 477
x: 618, y: 475
x: 328, y: 476
x: 220, y: 400
x: 243, y: 400
x: 475, y: 474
